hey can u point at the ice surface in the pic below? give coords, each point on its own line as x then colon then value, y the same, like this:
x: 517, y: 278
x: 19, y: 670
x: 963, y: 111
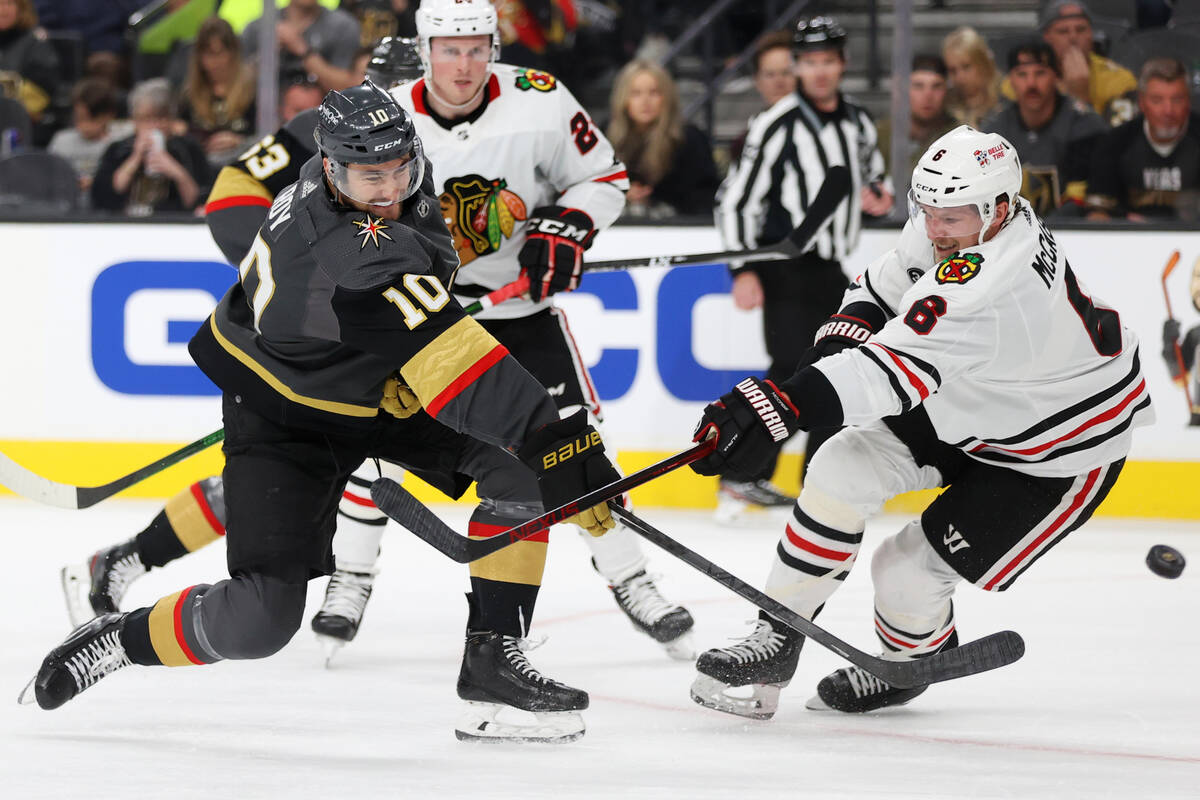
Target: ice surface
x: 1104, y: 703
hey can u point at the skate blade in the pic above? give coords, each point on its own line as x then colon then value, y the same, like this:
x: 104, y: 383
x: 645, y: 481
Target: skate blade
x: 762, y: 702
x: 815, y: 703
x: 28, y: 695
x: 76, y: 582
x: 479, y: 723
x: 681, y: 648
x: 330, y: 647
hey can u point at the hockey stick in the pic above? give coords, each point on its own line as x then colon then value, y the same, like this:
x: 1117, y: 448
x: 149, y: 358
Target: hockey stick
x: 1183, y: 376
x: 400, y: 505
x: 990, y: 652
x: 43, y: 490
x: 833, y: 190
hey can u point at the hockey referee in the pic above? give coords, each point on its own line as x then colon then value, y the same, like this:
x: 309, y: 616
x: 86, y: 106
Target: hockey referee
x: 788, y: 149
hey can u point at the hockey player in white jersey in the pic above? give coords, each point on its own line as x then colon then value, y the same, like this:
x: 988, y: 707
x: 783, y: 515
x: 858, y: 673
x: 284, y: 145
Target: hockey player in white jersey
x: 525, y: 180
x: 969, y: 357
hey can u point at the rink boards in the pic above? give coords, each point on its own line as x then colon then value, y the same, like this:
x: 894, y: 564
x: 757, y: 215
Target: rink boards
x: 96, y: 318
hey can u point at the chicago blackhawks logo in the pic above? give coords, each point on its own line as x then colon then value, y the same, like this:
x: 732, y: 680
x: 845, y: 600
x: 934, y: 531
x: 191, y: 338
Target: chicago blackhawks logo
x: 536, y: 79
x: 371, y: 229
x: 480, y: 213
x: 959, y: 269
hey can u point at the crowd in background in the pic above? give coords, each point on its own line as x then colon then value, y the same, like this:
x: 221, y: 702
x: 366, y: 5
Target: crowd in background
x: 146, y: 103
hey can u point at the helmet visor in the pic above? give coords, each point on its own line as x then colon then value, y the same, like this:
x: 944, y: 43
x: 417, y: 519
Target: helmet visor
x: 954, y: 222
x: 380, y: 184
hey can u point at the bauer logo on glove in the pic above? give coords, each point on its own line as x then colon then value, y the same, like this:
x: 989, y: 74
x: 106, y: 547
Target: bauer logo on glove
x: 570, y: 450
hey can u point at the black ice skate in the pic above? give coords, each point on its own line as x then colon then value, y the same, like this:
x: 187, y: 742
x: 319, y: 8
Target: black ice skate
x: 98, y: 585
x: 854, y: 690
x: 92, y: 651
x: 497, y: 677
x: 665, y: 622
x: 735, y: 498
x: 337, y: 621
x: 760, y: 665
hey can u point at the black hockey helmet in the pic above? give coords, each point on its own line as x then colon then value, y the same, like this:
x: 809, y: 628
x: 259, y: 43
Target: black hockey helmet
x: 819, y: 33
x: 394, y: 60
x: 364, y: 125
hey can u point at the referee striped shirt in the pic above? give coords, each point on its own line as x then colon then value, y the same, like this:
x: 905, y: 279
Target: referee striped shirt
x: 789, y: 147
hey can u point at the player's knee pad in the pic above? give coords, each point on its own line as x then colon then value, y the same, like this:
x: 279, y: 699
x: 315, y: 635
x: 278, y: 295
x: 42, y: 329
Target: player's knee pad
x: 912, y: 582
x: 252, y: 615
x: 845, y: 474
x: 830, y: 510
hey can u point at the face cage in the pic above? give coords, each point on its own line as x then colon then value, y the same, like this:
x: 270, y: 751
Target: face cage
x: 400, y: 182
x: 986, y: 211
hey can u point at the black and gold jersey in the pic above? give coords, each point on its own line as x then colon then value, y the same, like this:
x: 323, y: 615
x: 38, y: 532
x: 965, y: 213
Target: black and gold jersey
x: 1130, y: 174
x: 330, y: 301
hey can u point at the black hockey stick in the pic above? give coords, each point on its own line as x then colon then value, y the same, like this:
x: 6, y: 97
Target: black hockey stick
x: 33, y: 486
x: 981, y: 655
x: 833, y: 190
x: 395, y: 501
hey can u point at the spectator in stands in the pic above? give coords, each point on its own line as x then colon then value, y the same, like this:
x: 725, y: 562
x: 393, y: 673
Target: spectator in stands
x: 774, y: 70
x: 928, y: 118
x: 974, y: 82
x: 1085, y: 75
x: 102, y: 24
x: 28, y: 63
x: 151, y: 170
x: 670, y: 162
x: 1054, y: 134
x: 1150, y: 166
x: 313, y: 41
x: 380, y: 18
x: 298, y: 97
x: 218, y: 97
x: 96, y: 106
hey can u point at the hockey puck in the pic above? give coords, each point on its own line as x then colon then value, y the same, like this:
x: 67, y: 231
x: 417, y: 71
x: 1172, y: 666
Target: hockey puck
x: 1165, y: 561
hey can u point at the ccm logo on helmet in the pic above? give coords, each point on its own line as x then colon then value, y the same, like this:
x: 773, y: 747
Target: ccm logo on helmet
x: 764, y: 408
x: 387, y: 145
x: 923, y: 188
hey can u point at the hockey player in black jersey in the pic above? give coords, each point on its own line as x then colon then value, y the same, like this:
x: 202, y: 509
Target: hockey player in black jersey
x: 344, y: 292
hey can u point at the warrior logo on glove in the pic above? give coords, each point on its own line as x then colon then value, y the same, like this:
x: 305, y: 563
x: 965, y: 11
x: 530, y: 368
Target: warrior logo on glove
x: 765, y: 409
x: 749, y: 423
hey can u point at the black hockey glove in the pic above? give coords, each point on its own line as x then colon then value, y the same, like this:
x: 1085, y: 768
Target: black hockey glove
x: 568, y: 458
x: 839, y: 332
x: 1170, y: 340
x: 750, y: 423
x: 552, y: 256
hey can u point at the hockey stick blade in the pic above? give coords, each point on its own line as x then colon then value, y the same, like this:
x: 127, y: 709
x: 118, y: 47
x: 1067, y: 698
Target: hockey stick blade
x: 981, y: 655
x: 400, y: 505
x: 833, y: 190
x: 30, y: 485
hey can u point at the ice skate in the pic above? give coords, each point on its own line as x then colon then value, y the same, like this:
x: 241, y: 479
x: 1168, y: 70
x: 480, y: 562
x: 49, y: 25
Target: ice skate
x: 337, y: 621
x: 737, y: 499
x: 745, y: 678
x: 854, y: 691
x: 663, y: 621
x: 98, y: 585
x: 92, y: 651
x: 499, y: 683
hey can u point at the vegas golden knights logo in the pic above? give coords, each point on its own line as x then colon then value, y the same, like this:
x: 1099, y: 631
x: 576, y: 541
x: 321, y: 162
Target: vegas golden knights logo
x: 480, y: 213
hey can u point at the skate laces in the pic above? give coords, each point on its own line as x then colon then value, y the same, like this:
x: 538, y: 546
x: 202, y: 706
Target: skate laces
x: 100, y: 657
x: 864, y: 683
x: 763, y: 642
x: 120, y: 574
x: 514, y: 652
x: 640, y: 598
x: 347, y: 593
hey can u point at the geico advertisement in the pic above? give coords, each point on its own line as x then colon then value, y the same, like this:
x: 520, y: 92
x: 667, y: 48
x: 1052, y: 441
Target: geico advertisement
x: 96, y: 320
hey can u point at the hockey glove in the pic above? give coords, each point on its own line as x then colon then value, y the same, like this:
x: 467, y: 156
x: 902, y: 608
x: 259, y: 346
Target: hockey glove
x: 839, y: 332
x: 552, y: 255
x: 399, y: 400
x: 568, y: 458
x: 750, y: 423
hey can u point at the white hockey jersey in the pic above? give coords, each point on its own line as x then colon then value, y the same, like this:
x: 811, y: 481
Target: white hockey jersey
x: 1015, y: 363
x: 533, y: 145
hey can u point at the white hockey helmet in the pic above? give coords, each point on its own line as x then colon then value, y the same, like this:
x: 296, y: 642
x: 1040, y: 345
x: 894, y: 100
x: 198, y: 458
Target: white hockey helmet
x: 966, y: 167
x: 456, y: 18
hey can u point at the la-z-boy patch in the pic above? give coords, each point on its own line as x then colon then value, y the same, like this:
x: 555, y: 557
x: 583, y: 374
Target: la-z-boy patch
x: 959, y: 268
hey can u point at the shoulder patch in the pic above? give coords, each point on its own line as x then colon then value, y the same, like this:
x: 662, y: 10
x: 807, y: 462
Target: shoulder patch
x: 370, y: 229
x: 536, y: 79
x: 959, y: 268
